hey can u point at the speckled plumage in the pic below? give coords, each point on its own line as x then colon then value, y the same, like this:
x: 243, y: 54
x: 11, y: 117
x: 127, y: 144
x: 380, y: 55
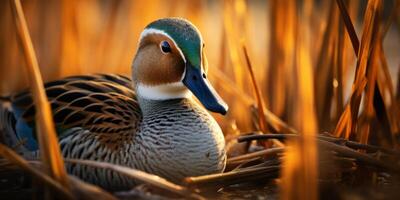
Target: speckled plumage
x: 101, y: 117
x: 172, y: 138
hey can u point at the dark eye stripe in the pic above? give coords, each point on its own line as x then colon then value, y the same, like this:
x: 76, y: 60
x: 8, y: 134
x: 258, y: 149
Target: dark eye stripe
x: 165, y: 47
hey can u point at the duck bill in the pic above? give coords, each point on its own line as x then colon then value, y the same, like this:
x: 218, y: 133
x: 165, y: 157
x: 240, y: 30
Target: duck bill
x: 203, y: 90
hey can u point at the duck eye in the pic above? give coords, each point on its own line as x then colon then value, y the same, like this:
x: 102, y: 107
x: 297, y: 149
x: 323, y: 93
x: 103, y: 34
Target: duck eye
x: 165, y: 47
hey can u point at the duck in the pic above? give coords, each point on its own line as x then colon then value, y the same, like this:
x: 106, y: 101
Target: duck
x: 150, y: 122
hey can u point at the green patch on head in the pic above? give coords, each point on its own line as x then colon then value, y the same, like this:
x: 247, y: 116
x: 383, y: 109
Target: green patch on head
x: 185, y: 36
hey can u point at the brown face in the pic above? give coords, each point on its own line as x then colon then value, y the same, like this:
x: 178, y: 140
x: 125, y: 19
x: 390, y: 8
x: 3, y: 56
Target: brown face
x: 154, y: 64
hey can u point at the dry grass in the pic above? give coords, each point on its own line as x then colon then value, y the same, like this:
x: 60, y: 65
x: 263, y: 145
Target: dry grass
x: 300, y: 59
x: 46, y: 133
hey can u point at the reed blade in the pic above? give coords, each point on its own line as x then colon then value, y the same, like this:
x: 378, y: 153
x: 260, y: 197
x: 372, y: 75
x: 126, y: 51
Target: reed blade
x: 349, y: 26
x: 299, y: 170
x: 368, y: 41
x: 46, y: 134
x: 139, y: 175
x: 16, y: 159
x: 261, y: 113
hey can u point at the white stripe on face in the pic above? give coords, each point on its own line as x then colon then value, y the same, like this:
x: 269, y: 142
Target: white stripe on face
x: 164, y: 91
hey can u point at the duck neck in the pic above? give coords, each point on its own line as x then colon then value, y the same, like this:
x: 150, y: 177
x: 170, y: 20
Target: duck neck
x: 150, y: 107
x: 154, y: 98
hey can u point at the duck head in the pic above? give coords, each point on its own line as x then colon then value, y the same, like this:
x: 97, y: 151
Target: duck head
x: 170, y: 63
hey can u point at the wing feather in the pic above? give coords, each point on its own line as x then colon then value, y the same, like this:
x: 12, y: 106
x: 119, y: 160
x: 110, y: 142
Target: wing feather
x: 104, y: 105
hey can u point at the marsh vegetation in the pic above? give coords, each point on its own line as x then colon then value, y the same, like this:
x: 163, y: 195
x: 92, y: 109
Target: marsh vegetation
x: 313, y: 89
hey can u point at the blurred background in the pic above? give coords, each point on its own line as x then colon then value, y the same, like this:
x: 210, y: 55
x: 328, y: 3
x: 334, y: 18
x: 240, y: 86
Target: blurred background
x: 289, y: 43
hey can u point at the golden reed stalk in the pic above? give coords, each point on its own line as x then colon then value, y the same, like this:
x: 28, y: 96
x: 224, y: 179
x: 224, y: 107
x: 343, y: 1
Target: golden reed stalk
x: 50, y: 153
x: 300, y: 163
